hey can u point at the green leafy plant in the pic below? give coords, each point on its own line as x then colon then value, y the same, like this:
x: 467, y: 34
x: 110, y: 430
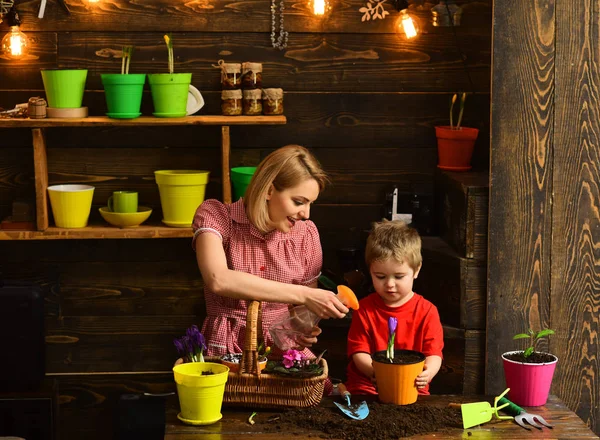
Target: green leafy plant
x: 263, y: 351
x: 169, y: 41
x: 533, y: 337
x: 463, y: 98
x: 126, y: 59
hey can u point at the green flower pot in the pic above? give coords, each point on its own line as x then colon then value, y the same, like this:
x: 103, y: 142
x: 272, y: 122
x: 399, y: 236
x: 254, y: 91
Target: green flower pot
x: 169, y: 93
x: 123, y: 94
x: 64, y: 88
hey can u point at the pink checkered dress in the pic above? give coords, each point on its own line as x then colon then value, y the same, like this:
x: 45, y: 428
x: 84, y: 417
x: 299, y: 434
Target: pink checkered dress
x: 294, y: 257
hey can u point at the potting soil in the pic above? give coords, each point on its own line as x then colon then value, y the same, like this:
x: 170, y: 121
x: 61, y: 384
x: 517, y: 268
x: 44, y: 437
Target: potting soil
x: 383, y: 422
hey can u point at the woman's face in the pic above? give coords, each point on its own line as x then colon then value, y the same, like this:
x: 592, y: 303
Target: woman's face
x: 290, y: 205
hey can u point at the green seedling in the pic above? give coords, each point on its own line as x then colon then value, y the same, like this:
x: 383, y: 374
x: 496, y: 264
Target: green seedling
x: 533, y: 339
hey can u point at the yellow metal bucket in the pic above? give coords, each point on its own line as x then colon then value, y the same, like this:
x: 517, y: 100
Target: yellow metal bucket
x: 71, y: 205
x: 181, y: 192
x: 200, y: 395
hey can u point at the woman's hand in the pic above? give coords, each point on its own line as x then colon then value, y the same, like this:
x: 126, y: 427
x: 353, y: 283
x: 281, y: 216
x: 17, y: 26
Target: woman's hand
x: 324, y: 304
x: 309, y: 340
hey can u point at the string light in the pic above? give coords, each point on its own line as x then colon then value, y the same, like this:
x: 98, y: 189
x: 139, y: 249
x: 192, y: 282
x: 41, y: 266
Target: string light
x: 407, y: 25
x: 15, y: 43
x: 319, y: 8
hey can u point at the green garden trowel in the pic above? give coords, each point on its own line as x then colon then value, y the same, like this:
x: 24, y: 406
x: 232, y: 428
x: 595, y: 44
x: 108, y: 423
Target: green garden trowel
x: 481, y: 412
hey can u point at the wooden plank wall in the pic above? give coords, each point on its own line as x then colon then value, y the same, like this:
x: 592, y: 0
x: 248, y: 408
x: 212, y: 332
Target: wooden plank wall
x: 543, y: 269
x: 365, y: 101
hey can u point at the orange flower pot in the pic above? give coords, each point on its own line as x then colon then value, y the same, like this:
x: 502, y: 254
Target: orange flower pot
x: 455, y: 147
x: 396, y: 382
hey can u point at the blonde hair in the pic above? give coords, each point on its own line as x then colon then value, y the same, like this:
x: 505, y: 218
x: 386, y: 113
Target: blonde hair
x: 394, y: 240
x: 284, y: 168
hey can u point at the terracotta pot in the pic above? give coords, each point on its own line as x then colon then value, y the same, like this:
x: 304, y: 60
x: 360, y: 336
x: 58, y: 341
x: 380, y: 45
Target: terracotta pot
x: 455, y: 147
x: 396, y: 382
x: 529, y: 383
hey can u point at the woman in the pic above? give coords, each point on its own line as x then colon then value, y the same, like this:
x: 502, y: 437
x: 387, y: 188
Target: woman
x: 263, y: 247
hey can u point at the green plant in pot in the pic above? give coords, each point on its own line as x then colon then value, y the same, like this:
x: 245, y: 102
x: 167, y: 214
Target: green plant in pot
x: 170, y: 90
x: 456, y: 143
x: 528, y: 372
x: 123, y: 91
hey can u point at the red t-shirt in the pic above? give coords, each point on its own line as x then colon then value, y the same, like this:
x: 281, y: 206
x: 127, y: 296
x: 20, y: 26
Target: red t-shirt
x: 419, y: 328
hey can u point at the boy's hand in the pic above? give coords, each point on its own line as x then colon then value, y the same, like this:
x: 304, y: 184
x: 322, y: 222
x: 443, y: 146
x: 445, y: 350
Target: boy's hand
x: 423, y: 379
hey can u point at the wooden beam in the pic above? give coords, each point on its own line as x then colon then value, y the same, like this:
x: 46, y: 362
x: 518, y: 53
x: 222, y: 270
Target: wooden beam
x: 575, y: 216
x: 40, y: 165
x: 520, y: 210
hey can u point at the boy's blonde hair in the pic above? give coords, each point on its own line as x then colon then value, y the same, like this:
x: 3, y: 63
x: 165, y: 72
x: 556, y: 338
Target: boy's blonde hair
x: 283, y: 168
x: 394, y: 240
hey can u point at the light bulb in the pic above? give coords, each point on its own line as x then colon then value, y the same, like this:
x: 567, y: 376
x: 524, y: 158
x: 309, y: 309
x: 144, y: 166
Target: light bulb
x: 407, y: 25
x: 93, y: 1
x: 15, y: 43
x: 319, y: 8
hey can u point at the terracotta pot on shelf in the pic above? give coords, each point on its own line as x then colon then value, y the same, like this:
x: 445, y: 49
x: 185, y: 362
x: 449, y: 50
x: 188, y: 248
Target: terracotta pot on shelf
x: 455, y: 147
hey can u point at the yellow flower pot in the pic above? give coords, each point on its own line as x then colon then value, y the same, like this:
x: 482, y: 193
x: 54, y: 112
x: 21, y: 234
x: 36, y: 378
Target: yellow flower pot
x: 71, y: 205
x: 200, y: 395
x: 181, y: 192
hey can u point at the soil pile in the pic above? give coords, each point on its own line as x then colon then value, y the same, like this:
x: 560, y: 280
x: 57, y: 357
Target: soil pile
x: 383, y: 422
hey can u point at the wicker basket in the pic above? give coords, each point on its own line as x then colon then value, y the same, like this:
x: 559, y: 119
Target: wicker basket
x: 250, y: 387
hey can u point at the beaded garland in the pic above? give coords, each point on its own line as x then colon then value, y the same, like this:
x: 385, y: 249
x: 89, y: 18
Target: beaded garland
x: 282, y: 40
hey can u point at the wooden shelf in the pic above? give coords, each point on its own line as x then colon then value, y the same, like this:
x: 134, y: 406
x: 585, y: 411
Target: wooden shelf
x: 38, y: 130
x: 104, y: 121
x: 98, y: 232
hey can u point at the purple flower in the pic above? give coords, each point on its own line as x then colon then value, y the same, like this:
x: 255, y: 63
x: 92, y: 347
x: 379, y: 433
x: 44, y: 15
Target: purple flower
x: 392, y: 325
x: 193, y: 333
x: 179, y: 346
x: 290, y: 357
x: 192, y: 345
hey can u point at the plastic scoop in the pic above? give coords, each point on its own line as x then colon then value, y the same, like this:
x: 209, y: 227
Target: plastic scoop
x: 356, y: 412
x: 481, y: 412
x: 286, y: 333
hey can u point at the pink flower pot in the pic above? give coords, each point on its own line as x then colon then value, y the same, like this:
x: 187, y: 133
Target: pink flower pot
x: 529, y: 383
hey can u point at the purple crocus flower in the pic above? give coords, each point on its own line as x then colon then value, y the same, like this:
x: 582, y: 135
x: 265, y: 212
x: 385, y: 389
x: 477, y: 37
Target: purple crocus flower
x: 179, y: 346
x: 197, y: 338
x: 392, y: 325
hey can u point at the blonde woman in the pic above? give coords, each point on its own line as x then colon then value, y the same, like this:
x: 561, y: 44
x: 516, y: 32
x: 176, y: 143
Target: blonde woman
x: 263, y: 247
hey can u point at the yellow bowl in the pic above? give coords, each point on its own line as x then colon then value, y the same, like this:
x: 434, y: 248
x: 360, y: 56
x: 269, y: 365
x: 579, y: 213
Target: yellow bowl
x: 126, y: 219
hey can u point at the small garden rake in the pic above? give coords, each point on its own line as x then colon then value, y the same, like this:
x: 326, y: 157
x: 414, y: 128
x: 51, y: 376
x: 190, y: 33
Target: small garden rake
x: 522, y: 416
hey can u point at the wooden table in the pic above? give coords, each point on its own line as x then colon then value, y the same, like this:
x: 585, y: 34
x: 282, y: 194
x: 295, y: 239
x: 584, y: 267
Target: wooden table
x: 234, y: 425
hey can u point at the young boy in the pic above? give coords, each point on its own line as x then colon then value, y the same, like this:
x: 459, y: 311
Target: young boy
x: 393, y: 255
